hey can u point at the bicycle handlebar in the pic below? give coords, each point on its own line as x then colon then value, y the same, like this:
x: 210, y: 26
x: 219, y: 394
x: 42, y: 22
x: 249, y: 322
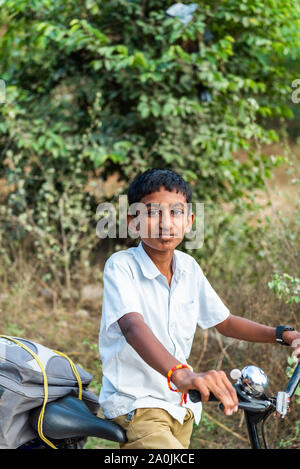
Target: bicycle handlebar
x: 294, y: 381
x: 249, y: 403
x: 195, y: 396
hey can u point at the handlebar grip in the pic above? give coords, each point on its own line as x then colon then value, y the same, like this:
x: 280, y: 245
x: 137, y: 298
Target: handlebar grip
x: 195, y: 396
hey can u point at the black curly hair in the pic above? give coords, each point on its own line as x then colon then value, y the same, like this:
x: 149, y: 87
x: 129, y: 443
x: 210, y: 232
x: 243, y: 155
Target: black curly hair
x: 152, y: 180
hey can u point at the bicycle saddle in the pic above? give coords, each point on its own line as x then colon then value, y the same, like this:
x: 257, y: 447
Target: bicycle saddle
x: 69, y: 417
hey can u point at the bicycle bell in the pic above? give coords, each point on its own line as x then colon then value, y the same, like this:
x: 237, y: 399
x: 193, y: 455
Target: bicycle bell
x: 253, y: 380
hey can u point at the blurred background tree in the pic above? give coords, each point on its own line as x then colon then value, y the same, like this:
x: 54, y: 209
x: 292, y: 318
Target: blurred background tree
x: 95, y: 88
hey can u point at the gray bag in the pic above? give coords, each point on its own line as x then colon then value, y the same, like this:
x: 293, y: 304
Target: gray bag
x: 22, y: 386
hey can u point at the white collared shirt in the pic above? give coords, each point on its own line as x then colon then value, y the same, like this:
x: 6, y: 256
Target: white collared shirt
x: 133, y: 283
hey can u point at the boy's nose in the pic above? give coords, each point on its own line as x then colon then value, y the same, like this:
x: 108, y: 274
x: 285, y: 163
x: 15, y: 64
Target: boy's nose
x: 165, y: 222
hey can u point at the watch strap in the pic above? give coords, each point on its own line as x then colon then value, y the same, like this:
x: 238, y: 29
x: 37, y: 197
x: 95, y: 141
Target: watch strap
x: 279, y: 331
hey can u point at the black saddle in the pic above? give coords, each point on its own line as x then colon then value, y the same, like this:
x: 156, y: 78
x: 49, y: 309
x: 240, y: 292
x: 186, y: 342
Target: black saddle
x: 69, y: 417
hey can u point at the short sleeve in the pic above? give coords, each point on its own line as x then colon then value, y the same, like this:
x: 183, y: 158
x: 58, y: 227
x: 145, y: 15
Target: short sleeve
x: 212, y: 310
x: 120, y: 294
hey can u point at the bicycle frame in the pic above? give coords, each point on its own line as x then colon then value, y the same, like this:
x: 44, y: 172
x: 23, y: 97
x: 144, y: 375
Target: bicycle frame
x: 252, y: 420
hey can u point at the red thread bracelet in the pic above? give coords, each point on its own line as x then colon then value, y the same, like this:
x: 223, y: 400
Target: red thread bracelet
x: 170, y: 372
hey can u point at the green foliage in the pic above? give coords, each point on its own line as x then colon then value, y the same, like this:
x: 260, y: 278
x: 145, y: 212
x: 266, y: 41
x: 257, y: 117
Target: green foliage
x: 118, y: 86
x: 287, y: 287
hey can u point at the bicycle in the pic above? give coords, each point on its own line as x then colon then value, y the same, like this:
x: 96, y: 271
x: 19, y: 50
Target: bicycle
x: 68, y: 422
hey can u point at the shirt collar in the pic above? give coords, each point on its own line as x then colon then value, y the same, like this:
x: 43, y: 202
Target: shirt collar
x: 148, y: 267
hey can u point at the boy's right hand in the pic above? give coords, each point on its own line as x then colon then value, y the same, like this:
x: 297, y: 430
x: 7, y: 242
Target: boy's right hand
x: 215, y: 382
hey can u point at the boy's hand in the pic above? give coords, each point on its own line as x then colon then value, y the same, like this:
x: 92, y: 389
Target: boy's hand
x: 215, y: 382
x: 293, y: 338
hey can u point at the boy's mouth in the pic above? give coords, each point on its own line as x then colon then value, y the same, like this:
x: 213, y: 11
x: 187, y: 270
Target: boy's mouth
x: 166, y: 235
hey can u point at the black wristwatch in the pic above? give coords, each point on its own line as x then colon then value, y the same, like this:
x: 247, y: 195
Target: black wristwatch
x: 279, y: 331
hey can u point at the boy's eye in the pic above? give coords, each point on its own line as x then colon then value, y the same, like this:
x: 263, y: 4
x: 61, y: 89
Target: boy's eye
x: 177, y: 212
x: 156, y: 212
x: 153, y: 212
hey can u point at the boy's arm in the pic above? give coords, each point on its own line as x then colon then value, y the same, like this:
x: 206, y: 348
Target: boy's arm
x: 244, y: 329
x: 150, y: 349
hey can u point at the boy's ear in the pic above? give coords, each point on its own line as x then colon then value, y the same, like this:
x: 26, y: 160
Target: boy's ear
x: 129, y: 218
x: 133, y: 226
x: 189, y: 223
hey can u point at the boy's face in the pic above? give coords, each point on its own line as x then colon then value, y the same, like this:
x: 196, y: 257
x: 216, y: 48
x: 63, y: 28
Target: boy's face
x: 163, y: 219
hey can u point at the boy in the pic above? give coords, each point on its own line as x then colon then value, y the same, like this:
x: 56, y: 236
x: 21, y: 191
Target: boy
x: 154, y: 297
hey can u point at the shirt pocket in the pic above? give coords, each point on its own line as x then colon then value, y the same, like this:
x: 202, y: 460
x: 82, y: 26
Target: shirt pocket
x: 186, y: 325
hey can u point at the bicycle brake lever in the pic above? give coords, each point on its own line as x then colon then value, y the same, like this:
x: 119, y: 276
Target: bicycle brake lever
x: 282, y: 403
x: 252, y: 406
x: 245, y: 403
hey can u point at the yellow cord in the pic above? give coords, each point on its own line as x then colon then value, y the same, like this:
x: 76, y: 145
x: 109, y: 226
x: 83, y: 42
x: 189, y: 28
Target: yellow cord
x: 41, y: 416
x: 74, y: 371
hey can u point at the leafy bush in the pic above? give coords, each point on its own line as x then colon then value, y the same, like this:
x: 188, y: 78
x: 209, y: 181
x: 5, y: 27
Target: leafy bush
x: 287, y: 287
x: 94, y: 87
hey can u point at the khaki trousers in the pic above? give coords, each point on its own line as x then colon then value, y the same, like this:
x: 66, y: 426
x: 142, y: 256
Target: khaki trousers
x: 154, y: 428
